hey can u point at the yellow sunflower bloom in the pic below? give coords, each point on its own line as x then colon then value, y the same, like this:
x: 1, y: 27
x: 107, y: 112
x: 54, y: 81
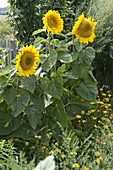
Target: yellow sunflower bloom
x: 26, y: 60
x: 84, y: 29
x: 53, y: 22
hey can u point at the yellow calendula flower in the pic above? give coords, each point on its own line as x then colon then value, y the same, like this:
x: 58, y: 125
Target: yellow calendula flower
x: 69, y: 139
x: 105, y: 126
x: 51, y: 152
x: 85, y: 168
x: 73, y: 153
x: 78, y: 116
x: 97, y: 153
x: 92, y: 103
x: 53, y: 22
x: 105, y: 111
x: 26, y: 60
x: 84, y: 29
x: 97, y: 161
x: 101, y: 158
x: 76, y: 165
x: 37, y: 137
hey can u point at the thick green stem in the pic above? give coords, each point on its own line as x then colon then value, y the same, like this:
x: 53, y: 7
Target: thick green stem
x: 73, y: 43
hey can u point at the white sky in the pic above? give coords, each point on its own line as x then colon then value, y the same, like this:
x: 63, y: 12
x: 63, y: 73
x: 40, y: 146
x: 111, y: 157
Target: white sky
x: 3, y: 3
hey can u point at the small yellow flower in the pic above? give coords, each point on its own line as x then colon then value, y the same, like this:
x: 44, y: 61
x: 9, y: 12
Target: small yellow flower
x: 101, y: 158
x: 92, y: 110
x: 76, y: 165
x: 109, y: 95
x: 106, y: 106
x: 109, y: 104
x: 85, y: 168
x: 78, y: 116
x: 103, y: 143
x: 82, y: 100
x: 58, y: 151
x: 56, y: 144
x: 110, y: 134
x: 106, y: 99
x: 95, y: 126
x: 92, y: 103
x: 69, y: 139
x: 105, y: 126
x: 101, y: 89
x: 63, y: 156
x: 97, y: 153
x: 37, y: 137
x: 73, y: 153
x: 50, y: 133
x: 43, y: 148
x: 99, y: 102
x: 105, y: 111
x: 103, y: 118
x: 51, y: 152
x: 97, y: 161
x: 94, y: 118
x: 83, y: 121
x: 103, y: 94
x: 82, y: 112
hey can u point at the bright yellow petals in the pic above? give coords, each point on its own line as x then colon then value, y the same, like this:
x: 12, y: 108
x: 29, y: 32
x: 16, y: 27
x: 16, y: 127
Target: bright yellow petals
x: 76, y: 165
x: 26, y: 60
x: 84, y: 29
x: 53, y: 22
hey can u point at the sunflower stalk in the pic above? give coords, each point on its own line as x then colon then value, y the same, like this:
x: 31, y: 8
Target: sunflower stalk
x: 49, y: 40
x: 73, y: 43
x: 18, y: 85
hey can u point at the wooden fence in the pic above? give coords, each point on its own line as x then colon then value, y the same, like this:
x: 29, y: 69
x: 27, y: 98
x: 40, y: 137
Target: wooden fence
x: 10, y: 48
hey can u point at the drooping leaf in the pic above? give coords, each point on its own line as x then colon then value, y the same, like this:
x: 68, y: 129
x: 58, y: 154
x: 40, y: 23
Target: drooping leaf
x: 34, y: 111
x: 16, y: 102
x: 29, y: 83
x: 54, y: 87
x: 88, y: 89
x: 64, y: 56
x: 60, y: 113
x: 87, y: 55
x: 8, y: 123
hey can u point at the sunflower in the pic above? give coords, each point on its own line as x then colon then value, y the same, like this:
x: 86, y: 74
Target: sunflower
x: 84, y: 29
x: 26, y: 60
x: 53, y: 22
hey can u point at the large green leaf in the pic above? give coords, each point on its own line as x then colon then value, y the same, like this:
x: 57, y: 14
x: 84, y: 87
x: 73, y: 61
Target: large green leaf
x: 64, y: 56
x: 29, y: 83
x: 87, y: 55
x: 88, y: 88
x: 8, y: 123
x: 54, y: 87
x: 51, y: 61
x: 34, y: 111
x: 3, y: 82
x: 59, y: 112
x: 16, y: 102
x: 5, y: 70
x: 70, y: 75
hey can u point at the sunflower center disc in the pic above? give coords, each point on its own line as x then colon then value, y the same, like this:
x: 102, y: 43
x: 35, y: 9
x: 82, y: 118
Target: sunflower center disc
x: 85, y: 29
x: 26, y: 61
x: 52, y: 22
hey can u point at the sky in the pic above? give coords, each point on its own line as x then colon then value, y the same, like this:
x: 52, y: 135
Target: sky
x: 3, y: 3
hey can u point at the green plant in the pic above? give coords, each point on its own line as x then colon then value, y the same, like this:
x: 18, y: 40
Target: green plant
x: 30, y: 106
